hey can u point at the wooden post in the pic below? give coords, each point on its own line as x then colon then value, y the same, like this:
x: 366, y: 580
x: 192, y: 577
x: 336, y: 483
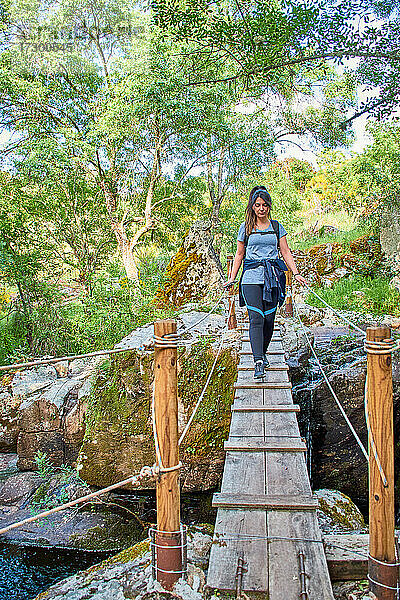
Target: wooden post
x: 232, y: 322
x: 167, y: 488
x: 289, y: 302
x: 381, y: 499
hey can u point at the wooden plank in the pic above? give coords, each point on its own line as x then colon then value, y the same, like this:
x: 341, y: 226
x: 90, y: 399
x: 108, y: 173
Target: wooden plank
x: 269, y: 408
x: 248, y: 373
x: 273, y: 339
x: 280, y: 424
x: 251, y: 501
x: 246, y: 426
x: 276, y: 329
x: 247, y: 353
x: 272, y: 367
x: 283, y: 556
x: 286, y: 473
x: 246, y: 471
x: 249, y: 397
x: 276, y: 424
x: 243, y: 470
x: 270, y: 375
x: 273, y: 346
x: 273, y: 444
x: 267, y: 396
x: 263, y: 397
x: 269, y: 352
x: 235, y: 526
x: 266, y: 385
x: 274, y: 396
x: 347, y: 556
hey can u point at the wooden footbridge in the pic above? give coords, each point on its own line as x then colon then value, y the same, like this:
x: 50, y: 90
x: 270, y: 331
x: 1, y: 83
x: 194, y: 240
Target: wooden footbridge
x: 266, y: 536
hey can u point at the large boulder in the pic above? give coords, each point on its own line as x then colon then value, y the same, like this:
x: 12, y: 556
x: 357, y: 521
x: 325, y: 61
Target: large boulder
x: 338, y: 513
x: 93, y: 527
x: 119, y: 439
x: 129, y: 575
x: 101, y: 409
x: 9, y: 420
x: 43, y: 409
x: 337, y: 462
x: 324, y: 264
x: 194, y: 271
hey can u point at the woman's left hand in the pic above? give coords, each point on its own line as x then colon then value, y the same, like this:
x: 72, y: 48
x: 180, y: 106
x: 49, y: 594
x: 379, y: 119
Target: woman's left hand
x: 300, y: 279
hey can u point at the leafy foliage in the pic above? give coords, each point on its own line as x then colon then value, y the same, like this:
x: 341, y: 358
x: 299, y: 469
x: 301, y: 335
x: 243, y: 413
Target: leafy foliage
x: 282, y: 44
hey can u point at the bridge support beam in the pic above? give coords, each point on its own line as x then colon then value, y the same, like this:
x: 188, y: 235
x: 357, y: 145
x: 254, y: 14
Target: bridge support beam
x: 232, y: 322
x: 168, y: 539
x: 382, y: 569
x: 289, y: 290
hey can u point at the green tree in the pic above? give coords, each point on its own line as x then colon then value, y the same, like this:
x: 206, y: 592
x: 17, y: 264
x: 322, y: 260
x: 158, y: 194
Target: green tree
x: 378, y: 169
x: 335, y: 185
x: 24, y: 255
x: 122, y: 118
x: 283, y: 45
x: 64, y: 200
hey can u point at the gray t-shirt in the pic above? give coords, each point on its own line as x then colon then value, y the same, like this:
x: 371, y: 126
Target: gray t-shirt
x: 259, y: 246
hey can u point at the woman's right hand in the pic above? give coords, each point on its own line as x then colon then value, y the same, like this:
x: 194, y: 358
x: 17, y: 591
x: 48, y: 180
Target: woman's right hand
x: 228, y: 283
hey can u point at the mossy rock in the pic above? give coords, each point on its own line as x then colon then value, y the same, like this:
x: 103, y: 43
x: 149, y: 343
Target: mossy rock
x: 119, y: 438
x: 337, y: 512
x: 112, y: 534
x: 193, y: 272
x: 174, y: 291
x: 363, y: 255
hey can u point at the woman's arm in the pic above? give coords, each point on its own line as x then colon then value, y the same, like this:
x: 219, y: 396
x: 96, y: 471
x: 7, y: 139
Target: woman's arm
x: 236, y: 263
x: 289, y: 260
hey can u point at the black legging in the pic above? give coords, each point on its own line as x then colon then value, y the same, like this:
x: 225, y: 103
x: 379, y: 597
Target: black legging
x: 261, y: 318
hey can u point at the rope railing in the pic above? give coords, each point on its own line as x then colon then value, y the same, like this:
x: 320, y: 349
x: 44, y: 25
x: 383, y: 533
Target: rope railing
x: 166, y: 341
x: 343, y: 412
x: 335, y: 311
x: 382, y: 347
x: 69, y: 358
x: 145, y: 471
x: 188, y: 424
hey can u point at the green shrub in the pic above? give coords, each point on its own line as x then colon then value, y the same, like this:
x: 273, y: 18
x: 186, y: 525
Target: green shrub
x: 307, y: 240
x: 358, y: 293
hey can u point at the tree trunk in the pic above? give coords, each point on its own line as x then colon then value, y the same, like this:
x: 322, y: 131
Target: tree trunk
x: 131, y: 269
x: 125, y: 245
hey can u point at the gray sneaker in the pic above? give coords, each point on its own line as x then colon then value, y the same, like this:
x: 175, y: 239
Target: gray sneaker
x: 259, y: 370
x: 265, y: 361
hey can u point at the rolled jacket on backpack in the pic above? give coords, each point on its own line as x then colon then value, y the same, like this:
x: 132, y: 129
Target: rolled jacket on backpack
x: 274, y: 277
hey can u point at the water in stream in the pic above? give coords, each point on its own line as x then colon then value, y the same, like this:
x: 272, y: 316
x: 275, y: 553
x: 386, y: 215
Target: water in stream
x: 27, y: 571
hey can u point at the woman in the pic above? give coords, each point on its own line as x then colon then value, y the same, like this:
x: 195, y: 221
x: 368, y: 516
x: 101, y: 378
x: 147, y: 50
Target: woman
x: 261, y: 285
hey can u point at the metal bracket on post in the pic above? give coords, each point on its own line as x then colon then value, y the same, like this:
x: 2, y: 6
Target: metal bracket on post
x: 303, y: 577
x: 166, y: 552
x: 240, y: 570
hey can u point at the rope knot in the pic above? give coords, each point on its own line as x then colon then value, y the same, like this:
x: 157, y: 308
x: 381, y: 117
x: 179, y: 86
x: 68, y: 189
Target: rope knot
x: 168, y: 340
x: 387, y: 346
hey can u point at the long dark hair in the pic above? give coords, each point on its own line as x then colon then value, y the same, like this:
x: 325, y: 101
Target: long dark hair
x: 251, y: 218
